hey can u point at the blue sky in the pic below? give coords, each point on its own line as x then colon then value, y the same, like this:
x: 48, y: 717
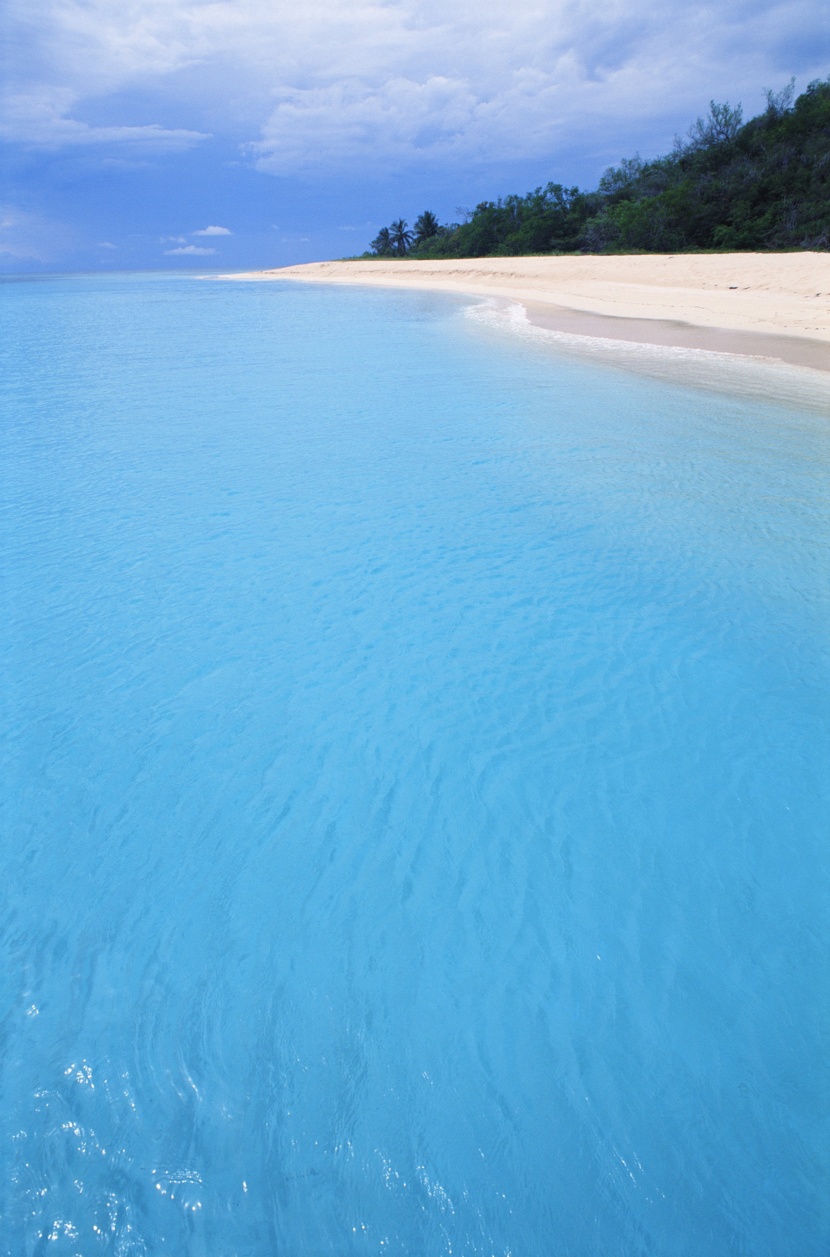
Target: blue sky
x: 235, y: 133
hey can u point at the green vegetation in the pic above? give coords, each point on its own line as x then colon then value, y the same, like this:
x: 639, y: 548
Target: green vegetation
x: 729, y: 185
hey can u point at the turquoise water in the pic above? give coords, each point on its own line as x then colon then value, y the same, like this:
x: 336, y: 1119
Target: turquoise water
x: 416, y: 756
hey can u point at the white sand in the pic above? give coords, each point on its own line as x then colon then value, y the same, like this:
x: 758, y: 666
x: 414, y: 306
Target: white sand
x: 771, y: 304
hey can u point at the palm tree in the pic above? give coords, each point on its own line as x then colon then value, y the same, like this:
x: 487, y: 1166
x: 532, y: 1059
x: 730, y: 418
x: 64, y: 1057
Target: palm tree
x: 382, y: 243
x: 400, y: 236
x: 425, y: 227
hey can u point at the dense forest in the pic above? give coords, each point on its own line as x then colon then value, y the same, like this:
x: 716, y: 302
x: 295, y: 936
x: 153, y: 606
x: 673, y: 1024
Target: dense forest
x: 729, y: 184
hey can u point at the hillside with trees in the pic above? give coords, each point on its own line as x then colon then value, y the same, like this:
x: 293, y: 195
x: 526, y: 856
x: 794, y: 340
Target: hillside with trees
x: 728, y: 185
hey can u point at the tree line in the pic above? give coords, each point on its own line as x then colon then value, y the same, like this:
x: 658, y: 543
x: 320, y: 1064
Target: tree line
x: 728, y: 184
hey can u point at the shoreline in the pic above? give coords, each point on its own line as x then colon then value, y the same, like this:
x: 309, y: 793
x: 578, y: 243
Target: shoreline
x: 773, y: 306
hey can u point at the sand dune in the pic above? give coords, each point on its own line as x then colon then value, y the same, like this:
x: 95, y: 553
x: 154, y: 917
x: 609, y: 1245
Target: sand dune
x: 770, y: 304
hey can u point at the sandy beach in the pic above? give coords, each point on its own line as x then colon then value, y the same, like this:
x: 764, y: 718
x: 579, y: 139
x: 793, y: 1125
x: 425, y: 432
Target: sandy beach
x: 771, y: 305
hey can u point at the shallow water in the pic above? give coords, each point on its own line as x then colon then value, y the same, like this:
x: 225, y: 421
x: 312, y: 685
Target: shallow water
x: 416, y: 757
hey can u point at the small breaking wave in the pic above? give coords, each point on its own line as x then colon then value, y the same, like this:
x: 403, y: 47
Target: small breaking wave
x: 746, y: 375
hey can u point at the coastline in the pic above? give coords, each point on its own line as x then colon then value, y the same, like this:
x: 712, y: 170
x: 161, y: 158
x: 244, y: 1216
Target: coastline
x: 774, y: 306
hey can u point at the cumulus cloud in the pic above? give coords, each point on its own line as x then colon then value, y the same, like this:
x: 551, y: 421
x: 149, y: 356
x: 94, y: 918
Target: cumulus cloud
x: 360, y: 83
x: 191, y: 250
x: 213, y: 231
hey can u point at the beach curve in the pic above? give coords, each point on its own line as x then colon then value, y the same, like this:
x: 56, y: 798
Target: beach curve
x: 770, y: 305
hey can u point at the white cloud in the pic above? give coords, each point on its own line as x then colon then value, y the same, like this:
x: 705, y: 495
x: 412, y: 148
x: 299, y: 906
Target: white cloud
x: 105, y: 244
x: 191, y: 250
x: 26, y: 236
x: 212, y: 231
x: 38, y: 116
x: 377, y: 83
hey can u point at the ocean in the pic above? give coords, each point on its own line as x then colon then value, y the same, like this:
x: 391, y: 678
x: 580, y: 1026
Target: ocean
x: 416, y: 768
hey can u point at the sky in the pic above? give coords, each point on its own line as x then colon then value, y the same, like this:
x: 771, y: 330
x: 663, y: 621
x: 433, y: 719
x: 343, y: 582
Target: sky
x: 224, y: 134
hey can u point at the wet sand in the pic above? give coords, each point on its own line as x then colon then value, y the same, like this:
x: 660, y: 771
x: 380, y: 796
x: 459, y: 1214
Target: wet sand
x: 770, y: 305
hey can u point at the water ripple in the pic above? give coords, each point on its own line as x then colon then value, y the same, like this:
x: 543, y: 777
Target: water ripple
x: 417, y: 752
